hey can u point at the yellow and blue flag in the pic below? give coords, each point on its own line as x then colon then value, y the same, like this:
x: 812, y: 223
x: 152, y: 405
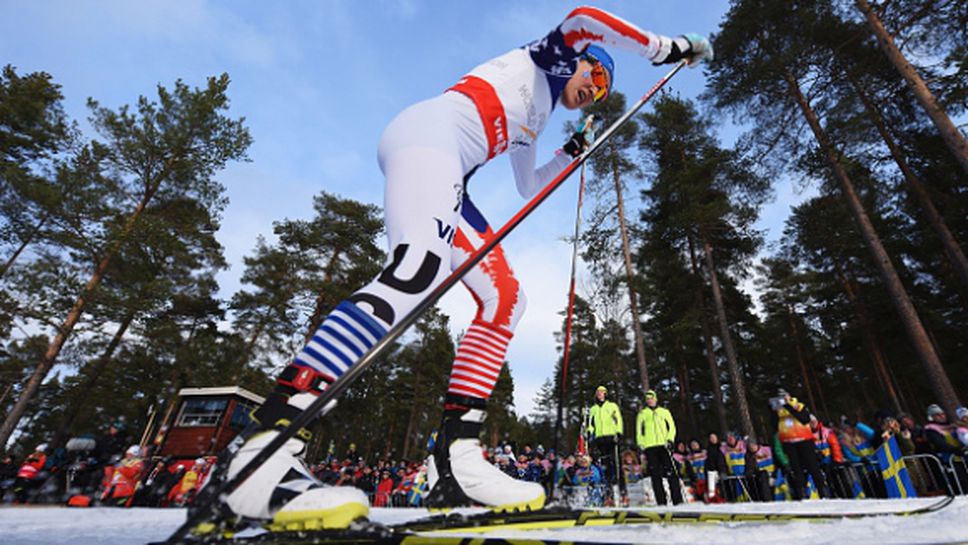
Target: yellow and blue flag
x: 812, y: 492
x: 856, y: 488
x: 781, y: 490
x: 417, y: 492
x: 893, y: 471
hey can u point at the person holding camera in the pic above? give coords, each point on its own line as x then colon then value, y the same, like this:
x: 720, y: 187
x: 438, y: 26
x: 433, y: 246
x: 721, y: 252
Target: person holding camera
x: 792, y: 421
x: 655, y: 431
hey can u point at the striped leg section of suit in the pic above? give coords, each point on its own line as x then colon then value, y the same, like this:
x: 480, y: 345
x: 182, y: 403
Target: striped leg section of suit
x: 344, y: 336
x: 480, y: 357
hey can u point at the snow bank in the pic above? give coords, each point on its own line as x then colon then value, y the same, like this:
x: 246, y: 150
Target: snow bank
x: 107, y: 526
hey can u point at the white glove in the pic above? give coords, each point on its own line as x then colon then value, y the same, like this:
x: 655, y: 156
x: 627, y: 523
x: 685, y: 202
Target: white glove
x: 700, y: 49
x: 692, y: 47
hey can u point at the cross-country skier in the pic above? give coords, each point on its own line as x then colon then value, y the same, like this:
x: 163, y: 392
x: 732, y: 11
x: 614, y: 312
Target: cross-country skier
x: 427, y: 154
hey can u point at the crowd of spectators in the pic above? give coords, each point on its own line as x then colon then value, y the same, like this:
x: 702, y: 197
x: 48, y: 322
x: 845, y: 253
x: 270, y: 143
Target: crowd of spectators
x: 823, y: 463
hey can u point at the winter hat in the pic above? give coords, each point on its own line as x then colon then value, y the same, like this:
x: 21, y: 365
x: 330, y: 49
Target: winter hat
x: 133, y: 450
x: 934, y: 409
x: 961, y: 413
x: 41, y: 447
x: 651, y: 394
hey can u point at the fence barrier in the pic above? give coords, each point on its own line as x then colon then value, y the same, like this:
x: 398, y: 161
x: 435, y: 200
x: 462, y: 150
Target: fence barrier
x: 958, y: 466
x: 929, y: 475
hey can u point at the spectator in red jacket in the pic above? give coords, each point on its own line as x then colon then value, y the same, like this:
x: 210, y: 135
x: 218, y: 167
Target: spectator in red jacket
x: 31, y: 473
x: 123, y: 477
x: 383, y: 490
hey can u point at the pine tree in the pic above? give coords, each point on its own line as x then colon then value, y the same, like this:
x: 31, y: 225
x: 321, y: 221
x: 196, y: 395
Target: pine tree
x: 953, y: 137
x: 34, y: 135
x: 762, y: 73
x: 703, y: 198
x: 168, y: 150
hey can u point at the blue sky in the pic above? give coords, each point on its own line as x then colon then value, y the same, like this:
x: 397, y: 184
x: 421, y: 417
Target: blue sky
x: 317, y: 81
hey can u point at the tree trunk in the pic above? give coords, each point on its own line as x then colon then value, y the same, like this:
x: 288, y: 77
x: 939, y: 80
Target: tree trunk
x: 6, y: 392
x: 823, y: 400
x: 949, y: 132
x: 685, y: 394
x: 319, y: 308
x: 629, y: 275
x: 870, y: 339
x: 683, y: 402
x: 940, y: 383
x: 800, y: 359
x: 708, y: 340
x: 23, y: 244
x: 246, y: 356
x: 739, y: 383
x: 905, y: 406
x: 93, y: 375
x: 951, y: 247
x: 73, y: 316
x: 412, y: 419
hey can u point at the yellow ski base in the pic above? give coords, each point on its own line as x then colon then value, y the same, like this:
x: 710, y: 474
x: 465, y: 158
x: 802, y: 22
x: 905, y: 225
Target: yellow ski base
x: 204, y: 528
x: 532, y: 505
x: 335, y: 518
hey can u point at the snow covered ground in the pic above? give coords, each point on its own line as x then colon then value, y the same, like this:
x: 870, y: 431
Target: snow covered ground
x: 107, y: 526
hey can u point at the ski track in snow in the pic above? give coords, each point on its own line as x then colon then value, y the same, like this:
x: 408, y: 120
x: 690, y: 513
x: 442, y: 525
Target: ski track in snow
x: 109, y: 526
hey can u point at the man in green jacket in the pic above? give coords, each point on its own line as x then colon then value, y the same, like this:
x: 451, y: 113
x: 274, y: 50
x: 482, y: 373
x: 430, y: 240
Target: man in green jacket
x: 655, y: 432
x: 605, y: 427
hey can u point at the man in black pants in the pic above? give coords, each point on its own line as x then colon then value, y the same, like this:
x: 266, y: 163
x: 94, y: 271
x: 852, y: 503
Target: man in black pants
x: 655, y: 431
x: 792, y: 421
x: 606, y: 427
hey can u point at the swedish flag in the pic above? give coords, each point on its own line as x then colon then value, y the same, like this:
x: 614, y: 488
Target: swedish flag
x: 781, y: 490
x: 856, y: 488
x: 417, y: 492
x: 893, y: 471
x: 812, y: 492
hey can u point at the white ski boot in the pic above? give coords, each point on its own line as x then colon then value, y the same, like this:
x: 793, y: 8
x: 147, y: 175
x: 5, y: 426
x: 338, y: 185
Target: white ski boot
x: 459, y: 476
x: 283, y: 493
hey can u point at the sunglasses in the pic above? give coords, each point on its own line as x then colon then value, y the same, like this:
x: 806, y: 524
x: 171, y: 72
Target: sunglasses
x: 599, y: 77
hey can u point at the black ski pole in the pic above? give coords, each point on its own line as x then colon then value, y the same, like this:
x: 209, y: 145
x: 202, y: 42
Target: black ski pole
x: 336, y: 389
